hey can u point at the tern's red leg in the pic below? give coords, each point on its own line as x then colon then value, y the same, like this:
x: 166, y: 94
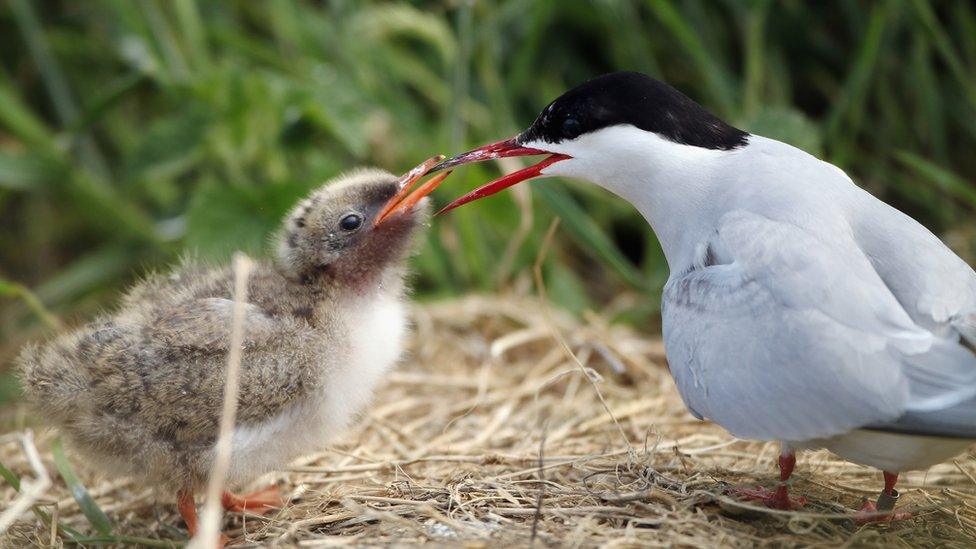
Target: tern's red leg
x: 886, y: 502
x: 258, y: 502
x: 780, y: 498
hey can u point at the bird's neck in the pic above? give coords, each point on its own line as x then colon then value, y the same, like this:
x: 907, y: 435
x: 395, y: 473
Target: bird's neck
x: 324, y: 288
x: 672, y: 185
x: 674, y: 198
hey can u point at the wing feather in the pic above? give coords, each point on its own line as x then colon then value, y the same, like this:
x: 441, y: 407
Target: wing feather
x: 934, y: 286
x: 797, y: 337
x: 954, y: 422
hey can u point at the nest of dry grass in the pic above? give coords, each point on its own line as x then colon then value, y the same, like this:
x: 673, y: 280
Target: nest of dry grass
x: 512, y: 425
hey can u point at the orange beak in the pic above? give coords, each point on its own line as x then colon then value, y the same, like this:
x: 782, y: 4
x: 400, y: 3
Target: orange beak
x: 405, y: 198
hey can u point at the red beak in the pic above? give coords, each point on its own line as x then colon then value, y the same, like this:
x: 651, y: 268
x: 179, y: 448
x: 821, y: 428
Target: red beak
x: 501, y: 149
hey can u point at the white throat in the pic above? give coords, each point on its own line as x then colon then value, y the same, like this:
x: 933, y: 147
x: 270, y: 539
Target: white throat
x: 669, y: 183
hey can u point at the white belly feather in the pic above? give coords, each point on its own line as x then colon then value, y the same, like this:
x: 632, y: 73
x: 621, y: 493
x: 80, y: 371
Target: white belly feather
x: 891, y: 452
x: 375, y: 329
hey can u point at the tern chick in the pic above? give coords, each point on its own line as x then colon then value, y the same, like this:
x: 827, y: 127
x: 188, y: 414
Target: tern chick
x: 139, y: 392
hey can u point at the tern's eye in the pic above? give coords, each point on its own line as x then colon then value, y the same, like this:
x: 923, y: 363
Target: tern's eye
x: 572, y: 128
x: 351, y: 222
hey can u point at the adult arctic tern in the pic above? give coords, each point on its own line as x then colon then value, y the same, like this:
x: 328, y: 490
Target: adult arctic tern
x: 799, y: 307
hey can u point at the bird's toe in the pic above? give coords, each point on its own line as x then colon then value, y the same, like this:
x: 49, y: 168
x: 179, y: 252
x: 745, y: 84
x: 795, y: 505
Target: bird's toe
x: 775, y: 499
x: 259, y: 502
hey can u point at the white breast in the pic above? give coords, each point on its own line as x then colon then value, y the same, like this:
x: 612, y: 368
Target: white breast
x: 375, y: 331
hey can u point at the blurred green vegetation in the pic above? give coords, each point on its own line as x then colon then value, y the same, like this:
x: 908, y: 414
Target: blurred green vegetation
x: 133, y: 130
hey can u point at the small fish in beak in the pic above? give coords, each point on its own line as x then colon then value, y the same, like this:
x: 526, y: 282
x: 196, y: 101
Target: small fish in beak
x: 405, y: 198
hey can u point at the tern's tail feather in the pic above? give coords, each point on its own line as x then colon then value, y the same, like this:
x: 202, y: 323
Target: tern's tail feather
x: 967, y: 327
x: 942, y: 388
x: 958, y: 421
x: 941, y: 377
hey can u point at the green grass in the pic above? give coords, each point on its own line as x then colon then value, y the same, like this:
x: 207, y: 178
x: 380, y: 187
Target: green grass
x: 131, y: 131
x: 93, y: 513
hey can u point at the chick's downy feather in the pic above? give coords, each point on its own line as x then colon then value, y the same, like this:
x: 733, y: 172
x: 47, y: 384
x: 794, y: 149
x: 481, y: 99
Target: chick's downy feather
x: 140, y: 391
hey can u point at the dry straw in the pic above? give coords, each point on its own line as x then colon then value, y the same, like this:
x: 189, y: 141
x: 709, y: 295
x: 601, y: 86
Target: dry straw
x: 209, y: 535
x: 31, y: 489
x: 449, y: 453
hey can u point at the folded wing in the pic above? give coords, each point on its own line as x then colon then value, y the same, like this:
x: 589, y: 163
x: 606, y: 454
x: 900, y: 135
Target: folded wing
x: 791, y: 334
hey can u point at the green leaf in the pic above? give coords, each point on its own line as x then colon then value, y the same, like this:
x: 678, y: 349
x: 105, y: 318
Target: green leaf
x: 566, y: 290
x: 169, y: 147
x: 849, y: 106
x: 107, y: 99
x: 96, y: 517
x: 123, y: 540
x: 9, y: 387
x: 33, y: 302
x: 755, y: 55
x: 25, y: 171
x: 947, y: 181
x: 18, y: 118
x: 583, y: 229
x: 88, y: 272
x: 9, y: 476
x: 223, y: 218
x: 8, y: 288
x: 719, y: 83
x: 785, y: 124
x: 337, y: 109
x: 191, y: 26
x: 943, y: 44
x: 383, y: 23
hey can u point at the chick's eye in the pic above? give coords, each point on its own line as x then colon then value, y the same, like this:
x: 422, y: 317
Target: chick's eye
x: 351, y: 222
x: 572, y: 127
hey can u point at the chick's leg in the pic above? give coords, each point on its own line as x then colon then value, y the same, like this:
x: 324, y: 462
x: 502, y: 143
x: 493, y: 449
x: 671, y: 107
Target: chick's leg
x: 260, y: 502
x: 188, y: 510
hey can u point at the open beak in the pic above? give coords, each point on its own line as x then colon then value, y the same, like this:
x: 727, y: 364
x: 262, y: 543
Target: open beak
x: 501, y: 149
x: 407, y: 197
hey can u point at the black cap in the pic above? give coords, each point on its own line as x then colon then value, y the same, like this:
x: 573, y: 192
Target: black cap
x: 636, y: 99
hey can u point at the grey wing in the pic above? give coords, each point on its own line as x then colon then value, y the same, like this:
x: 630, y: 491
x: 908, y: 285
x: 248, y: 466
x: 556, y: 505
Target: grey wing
x: 934, y: 286
x: 792, y: 335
